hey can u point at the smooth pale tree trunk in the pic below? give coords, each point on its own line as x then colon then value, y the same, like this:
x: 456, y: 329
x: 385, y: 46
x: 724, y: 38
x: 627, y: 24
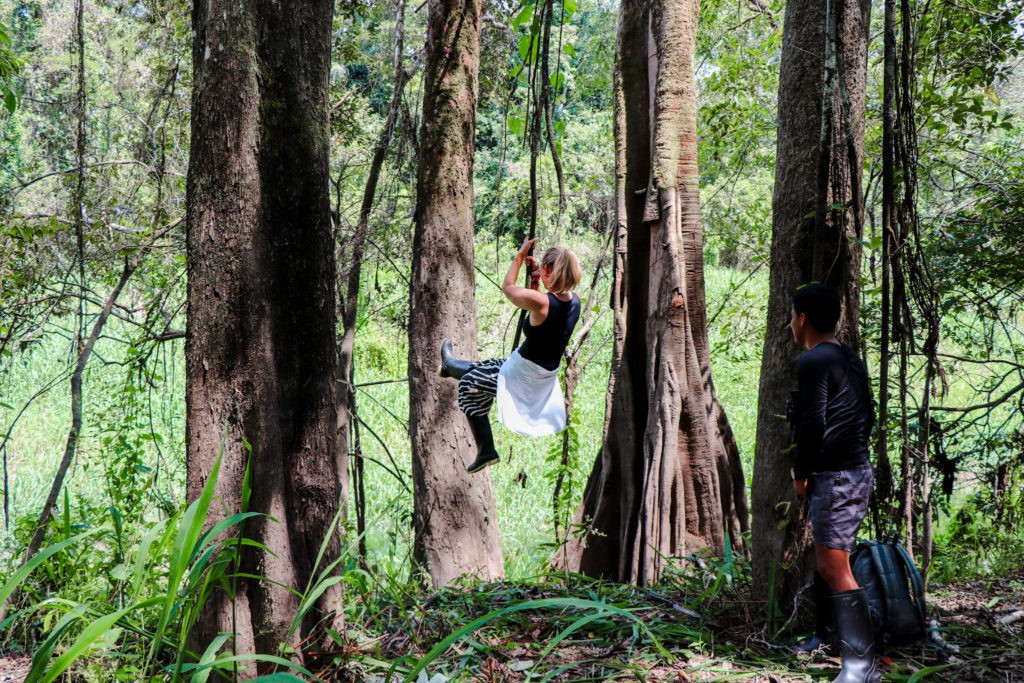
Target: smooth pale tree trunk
x: 454, y: 512
x: 781, y: 534
x: 261, y: 349
x: 668, y: 479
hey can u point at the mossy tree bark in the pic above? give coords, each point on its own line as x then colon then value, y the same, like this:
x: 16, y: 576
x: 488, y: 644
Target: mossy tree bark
x: 805, y: 249
x: 261, y: 349
x: 456, y: 525
x: 668, y: 479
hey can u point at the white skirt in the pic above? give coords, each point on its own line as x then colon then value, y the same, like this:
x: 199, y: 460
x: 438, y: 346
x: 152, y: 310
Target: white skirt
x: 529, y: 398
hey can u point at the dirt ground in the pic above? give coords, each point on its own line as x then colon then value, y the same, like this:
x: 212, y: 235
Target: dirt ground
x: 14, y: 669
x: 984, y: 621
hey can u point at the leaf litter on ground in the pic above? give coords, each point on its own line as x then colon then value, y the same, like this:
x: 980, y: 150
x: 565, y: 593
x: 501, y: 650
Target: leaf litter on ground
x: 568, y: 628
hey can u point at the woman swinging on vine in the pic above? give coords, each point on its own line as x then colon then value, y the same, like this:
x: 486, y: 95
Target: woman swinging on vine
x: 526, y: 383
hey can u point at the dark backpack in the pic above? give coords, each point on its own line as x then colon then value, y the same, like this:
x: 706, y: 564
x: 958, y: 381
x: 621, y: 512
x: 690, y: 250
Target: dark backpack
x: 894, y: 590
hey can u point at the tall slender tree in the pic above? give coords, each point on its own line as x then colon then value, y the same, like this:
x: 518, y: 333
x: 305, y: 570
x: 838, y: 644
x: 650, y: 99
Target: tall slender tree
x: 816, y: 225
x: 456, y: 522
x: 668, y: 477
x: 261, y: 350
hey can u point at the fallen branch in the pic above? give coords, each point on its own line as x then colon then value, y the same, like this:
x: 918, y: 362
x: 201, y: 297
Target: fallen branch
x: 1011, y: 618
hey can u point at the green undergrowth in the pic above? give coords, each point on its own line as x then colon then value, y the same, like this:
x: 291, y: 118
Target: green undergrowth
x: 698, y: 623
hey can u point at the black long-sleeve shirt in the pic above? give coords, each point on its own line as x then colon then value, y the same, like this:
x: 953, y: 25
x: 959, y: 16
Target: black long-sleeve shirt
x: 835, y: 411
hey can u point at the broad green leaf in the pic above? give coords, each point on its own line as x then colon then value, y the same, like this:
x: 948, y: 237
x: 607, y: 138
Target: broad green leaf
x: 992, y: 95
x: 517, y: 126
x: 524, y: 16
x: 524, y: 47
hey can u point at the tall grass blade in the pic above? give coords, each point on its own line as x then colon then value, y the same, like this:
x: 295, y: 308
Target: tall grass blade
x: 314, y: 591
x: 208, y: 658
x: 189, y: 530
x: 41, y: 659
x: 730, y: 568
x: 311, y: 598
x: 222, y: 526
x: 568, y: 631
x: 22, y: 572
x: 205, y: 573
x: 142, y: 556
x: 90, y: 634
x: 928, y: 671
x: 564, y: 603
x: 195, y: 669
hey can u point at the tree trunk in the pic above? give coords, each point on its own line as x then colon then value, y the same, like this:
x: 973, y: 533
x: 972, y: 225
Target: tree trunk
x: 781, y: 537
x: 455, y: 514
x: 665, y: 480
x: 261, y: 349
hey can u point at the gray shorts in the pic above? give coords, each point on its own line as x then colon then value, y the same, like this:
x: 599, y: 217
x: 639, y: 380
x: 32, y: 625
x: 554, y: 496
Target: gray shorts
x: 838, y: 504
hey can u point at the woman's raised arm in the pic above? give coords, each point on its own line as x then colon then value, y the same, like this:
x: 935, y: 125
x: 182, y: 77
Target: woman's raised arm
x: 529, y: 299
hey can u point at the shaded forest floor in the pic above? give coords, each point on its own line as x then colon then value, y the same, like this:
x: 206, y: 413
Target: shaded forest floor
x: 697, y: 628
x: 713, y: 642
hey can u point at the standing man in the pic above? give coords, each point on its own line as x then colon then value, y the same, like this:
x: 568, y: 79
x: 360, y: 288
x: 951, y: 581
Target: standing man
x: 833, y: 472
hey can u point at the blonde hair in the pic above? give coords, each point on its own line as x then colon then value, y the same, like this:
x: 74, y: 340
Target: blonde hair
x: 564, y: 267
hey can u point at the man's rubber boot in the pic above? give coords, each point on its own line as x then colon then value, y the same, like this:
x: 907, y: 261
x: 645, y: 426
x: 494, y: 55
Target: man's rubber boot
x: 824, y: 637
x: 452, y: 366
x: 485, y: 452
x: 856, y: 638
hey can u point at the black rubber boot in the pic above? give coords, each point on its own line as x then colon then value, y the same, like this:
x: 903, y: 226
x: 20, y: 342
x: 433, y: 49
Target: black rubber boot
x: 485, y: 452
x: 824, y: 637
x: 856, y: 638
x: 452, y: 366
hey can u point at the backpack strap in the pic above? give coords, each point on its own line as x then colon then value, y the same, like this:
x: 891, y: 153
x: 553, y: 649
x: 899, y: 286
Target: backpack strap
x: 915, y: 580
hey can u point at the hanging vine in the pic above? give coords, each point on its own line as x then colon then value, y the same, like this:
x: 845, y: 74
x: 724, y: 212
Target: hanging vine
x: 910, y: 300
x: 535, y: 121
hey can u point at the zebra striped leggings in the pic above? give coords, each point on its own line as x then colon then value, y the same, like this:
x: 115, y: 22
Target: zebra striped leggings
x: 478, y: 387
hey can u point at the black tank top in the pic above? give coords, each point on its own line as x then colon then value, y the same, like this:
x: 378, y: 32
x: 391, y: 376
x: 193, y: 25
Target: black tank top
x: 546, y: 342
